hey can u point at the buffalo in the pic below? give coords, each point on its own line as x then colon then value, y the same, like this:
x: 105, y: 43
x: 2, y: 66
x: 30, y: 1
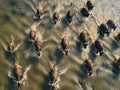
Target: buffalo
x: 83, y: 39
x: 69, y: 16
x: 65, y: 44
x: 89, y: 5
x: 98, y: 46
x: 32, y: 35
x: 54, y: 77
x: 103, y: 30
x: 11, y: 47
x: 56, y: 17
x: 39, y: 13
x: 111, y: 24
x: 19, y: 71
x: 38, y: 46
x: 85, y: 12
x: 88, y: 66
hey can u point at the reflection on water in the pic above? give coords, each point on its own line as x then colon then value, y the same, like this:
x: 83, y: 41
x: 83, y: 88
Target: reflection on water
x: 18, y: 16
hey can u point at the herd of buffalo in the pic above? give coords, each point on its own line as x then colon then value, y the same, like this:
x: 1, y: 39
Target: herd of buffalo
x: 83, y: 40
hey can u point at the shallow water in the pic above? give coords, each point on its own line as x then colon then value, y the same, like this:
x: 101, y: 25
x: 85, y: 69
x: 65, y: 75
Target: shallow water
x: 15, y: 22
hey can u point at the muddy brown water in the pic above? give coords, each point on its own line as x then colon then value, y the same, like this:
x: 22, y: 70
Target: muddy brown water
x: 17, y: 16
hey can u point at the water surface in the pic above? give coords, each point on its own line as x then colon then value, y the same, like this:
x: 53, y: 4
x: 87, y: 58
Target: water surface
x: 17, y: 16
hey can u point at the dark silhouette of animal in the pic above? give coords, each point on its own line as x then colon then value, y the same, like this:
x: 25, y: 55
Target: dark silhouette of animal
x: 88, y: 66
x: 39, y: 13
x: 98, y: 46
x: 89, y: 5
x: 19, y: 71
x: 69, y: 16
x: 83, y: 38
x: 32, y: 35
x: 65, y: 44
x: 85, y: 12
x: 103, y: 30
x: 54, y: 75
x: 38, y: 46
x: 111, y: 24
x: 56, y: 17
